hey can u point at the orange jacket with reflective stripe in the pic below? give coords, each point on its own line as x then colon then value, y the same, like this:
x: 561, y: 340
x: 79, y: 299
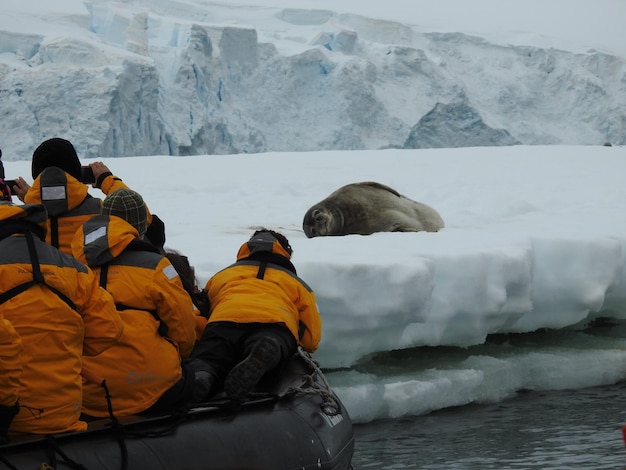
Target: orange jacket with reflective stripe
x: 147, y: 289
x: 68, y: 202
x: 55, y: 335
x: 238, y: 295
x: 10, y: 363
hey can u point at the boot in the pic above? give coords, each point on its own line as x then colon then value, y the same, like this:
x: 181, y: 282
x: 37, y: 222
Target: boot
x: 265, y: 355
x: 204, y: 380
x: 7, y: 413
x: 202, y: 386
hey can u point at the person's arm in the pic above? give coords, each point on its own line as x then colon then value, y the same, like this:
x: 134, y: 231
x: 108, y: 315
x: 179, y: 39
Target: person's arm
x: 311, y: 320
x: 21, y: 188
x: 175, y: 308
x: 107, y: 182
x: 104, y: 179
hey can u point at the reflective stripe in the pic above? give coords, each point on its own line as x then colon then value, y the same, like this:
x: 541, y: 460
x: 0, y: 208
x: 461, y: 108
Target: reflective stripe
x: 170, y: 272
x: 96, y: 243
x: 93, y: 236
x: 52, y: 193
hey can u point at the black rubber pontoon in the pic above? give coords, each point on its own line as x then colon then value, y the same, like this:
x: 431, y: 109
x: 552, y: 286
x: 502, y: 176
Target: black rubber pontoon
x: 293, y: 422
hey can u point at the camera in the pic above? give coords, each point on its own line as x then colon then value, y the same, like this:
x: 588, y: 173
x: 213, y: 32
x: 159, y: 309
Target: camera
x: 12, y: 186
x: 87, y: 176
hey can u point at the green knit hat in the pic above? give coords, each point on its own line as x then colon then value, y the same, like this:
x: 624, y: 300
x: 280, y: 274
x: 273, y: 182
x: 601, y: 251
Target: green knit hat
x: 128, y: 205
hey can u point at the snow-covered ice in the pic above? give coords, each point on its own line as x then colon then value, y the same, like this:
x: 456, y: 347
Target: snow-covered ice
x: 279, y: 105
x: 535, y: 241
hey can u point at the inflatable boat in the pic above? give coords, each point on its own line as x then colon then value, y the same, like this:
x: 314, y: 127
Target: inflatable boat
x: 292, y: 421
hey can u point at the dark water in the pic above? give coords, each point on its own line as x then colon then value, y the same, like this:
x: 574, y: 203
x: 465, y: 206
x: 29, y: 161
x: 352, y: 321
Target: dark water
x: 573, y: 429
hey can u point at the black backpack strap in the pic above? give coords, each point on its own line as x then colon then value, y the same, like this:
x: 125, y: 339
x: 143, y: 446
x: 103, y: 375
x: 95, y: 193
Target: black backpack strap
x: 34, y: 259
x: 54, y: 231
x: 261, y: 272
x: 37, y: 277
x: 163, y: 329
x: 16, y: 290
x: 104, y: 273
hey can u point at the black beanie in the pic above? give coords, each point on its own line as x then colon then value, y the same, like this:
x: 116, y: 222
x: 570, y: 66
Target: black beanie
x: 56, y: 152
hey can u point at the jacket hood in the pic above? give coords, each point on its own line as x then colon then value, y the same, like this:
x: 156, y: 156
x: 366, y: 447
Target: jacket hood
x: 26, y: 217
x: 263, y: 243
x: 102, y: 239
x: 34, y: 213
x: 59, y: 191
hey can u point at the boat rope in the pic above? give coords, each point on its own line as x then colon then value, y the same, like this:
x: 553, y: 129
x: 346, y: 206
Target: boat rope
x: 330, y: 405
x: 116, y: 426
x: 54, y: 449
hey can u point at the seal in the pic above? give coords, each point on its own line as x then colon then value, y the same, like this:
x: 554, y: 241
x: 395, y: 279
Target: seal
x: 368, y: 207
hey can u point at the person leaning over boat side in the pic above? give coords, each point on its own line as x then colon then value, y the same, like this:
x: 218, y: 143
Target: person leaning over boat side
x: 58, y: 185
x: 260, y: 311
x: 190, y: 283
x: 143, y: 371
x: 55, y: 304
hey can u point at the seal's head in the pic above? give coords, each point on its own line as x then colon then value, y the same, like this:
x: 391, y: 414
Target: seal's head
x: 320, y: 222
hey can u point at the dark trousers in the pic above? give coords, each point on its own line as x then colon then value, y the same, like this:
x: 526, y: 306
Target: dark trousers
x: 224, y: 344
x: 178, y: 395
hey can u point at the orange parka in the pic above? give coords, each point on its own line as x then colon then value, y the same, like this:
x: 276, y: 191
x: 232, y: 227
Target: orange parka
x: 61, y: 315
x: 68, y: 203
x: 254, y: 291
x: 10, y: 349
x: 10, y: 363
x: 159, y: 318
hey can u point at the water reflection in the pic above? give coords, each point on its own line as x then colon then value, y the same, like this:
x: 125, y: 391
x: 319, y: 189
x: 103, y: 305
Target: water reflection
x: 571, y: 429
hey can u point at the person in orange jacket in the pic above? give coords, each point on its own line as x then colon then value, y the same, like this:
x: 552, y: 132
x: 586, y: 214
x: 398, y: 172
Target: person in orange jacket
x: 59, y: 185
x: 5, y: 190
x: 10, y: 379
x: 143, y: 371
x: 10, y: 354
x: 260, y: 312
x: 190, y: 283
x: 60, y: 312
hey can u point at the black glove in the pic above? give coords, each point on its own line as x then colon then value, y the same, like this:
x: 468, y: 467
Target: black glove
x: 201, y: 301
x: 7, y: 413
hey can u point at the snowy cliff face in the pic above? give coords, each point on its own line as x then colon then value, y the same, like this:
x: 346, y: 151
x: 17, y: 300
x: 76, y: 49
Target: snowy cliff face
x: 145, y: 78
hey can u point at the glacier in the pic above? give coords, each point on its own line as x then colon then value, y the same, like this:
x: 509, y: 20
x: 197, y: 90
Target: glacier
x: 193, y: 78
